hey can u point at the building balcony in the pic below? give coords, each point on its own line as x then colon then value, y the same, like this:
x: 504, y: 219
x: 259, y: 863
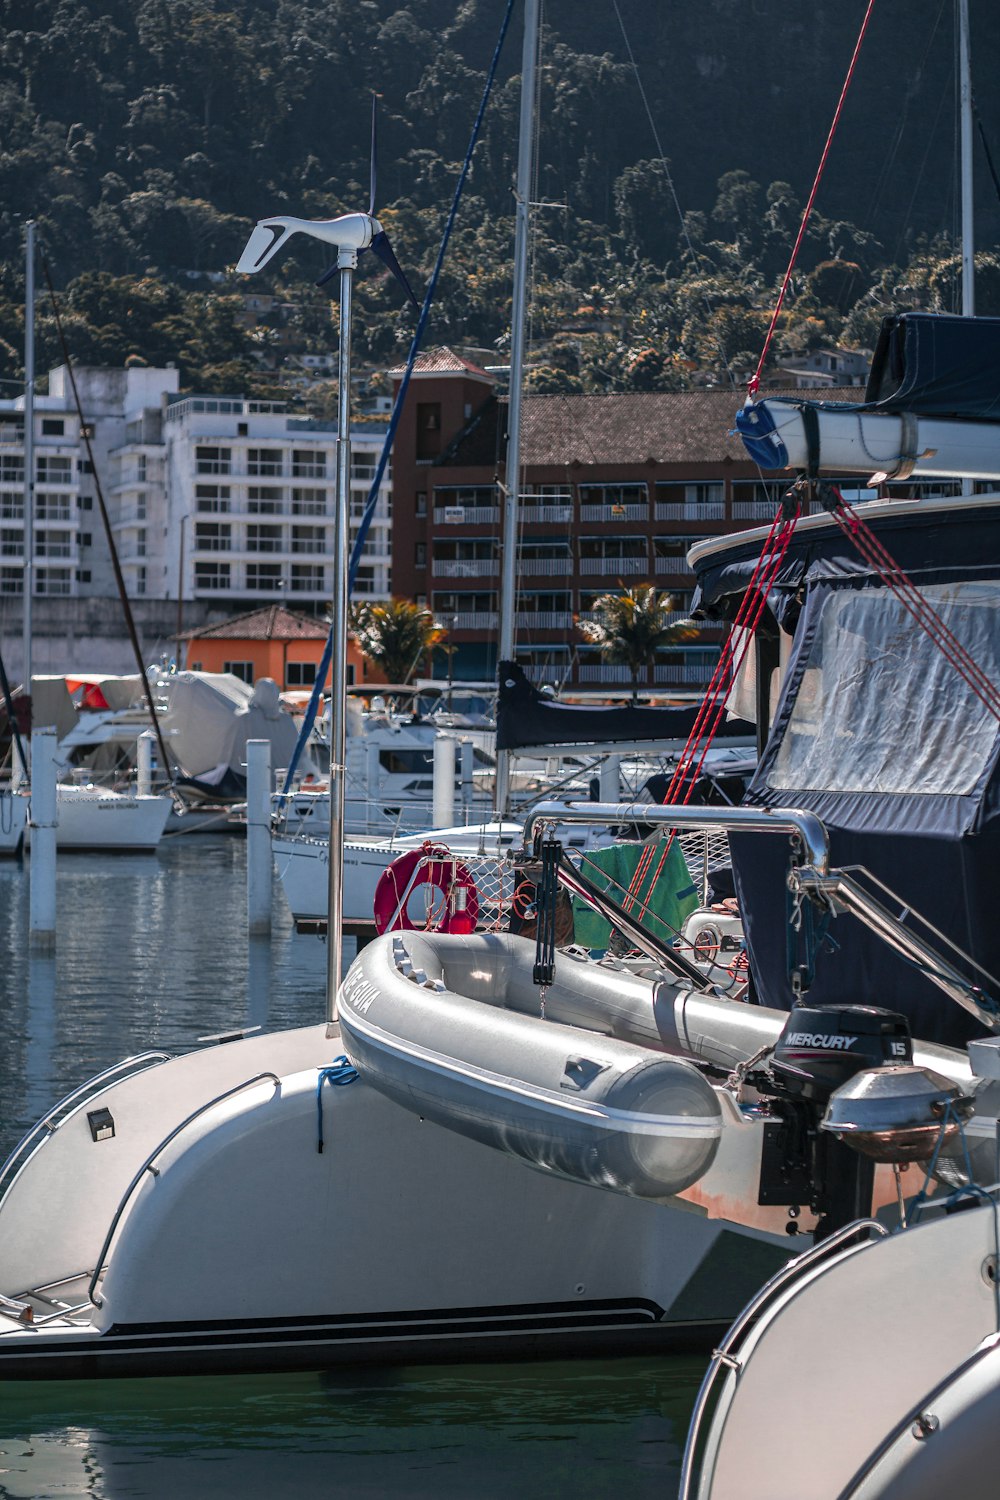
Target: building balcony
x: 601, y: 672
x: 550, y: 514
x: 545, y: 567
x: 673, y: 510
x: 484, y: 619
x: 466, y: 515
x: 615, y: 513
x: 754, y: 510
x: 544, y: 619
x: 461, y: 567
x: 696, y: 675
x: 614, y: 567
x: 675, y: 567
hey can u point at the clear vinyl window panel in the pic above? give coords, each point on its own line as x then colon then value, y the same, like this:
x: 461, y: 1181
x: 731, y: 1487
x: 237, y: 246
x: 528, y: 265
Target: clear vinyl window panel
x: 880, y: 708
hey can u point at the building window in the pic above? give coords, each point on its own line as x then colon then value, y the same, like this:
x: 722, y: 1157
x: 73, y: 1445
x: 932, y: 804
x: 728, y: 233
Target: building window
x: 11, y: 468
x: 308, y: 579
x: 212, y: 497
x: 52, y: 544
x: 420, y: 554
x: 211, y: 536
x: 365, y: 581
x: 241, y: 669
x: 53, y: 426
x: 300, y: 674
x: 308, y: 465
x: 11, y: 542
x: 55, y: 470
x: 83, y: 575
x: 308, y: 503
x: 263, y: 498
x: 52, y: 507
x: 49, y: 581
x: 421, y: 505
x: 211, y: 575
x: 213, y: 460
x: 11, y: 581
x: 264, y: 576
x: 264, y: 539
x: 264, y: 461
x: 428, y: 429
x: 308, y: 538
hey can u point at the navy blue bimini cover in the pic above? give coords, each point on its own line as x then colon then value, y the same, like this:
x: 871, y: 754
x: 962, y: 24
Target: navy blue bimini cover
x: 878, y: 734
x: 525, y: 717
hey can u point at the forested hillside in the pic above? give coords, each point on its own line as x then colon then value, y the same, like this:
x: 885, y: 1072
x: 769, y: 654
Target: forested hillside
x: 145, y: 136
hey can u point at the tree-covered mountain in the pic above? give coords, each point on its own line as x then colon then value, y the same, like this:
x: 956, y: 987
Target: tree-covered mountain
x: 146, y: 136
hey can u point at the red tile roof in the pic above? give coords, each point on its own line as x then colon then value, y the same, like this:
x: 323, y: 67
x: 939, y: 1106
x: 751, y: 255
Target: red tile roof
x: 275, y: 623
x: 620, y: 428
x: 443, y: 361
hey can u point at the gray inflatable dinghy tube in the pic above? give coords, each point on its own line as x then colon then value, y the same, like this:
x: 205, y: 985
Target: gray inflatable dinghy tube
x: 454, y: 1030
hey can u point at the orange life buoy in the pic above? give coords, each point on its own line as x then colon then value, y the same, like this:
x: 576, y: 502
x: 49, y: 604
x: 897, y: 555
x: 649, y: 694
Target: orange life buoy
x: 432, y: 865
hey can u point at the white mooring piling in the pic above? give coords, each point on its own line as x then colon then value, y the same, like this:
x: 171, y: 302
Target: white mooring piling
x: 443, y: 807
x: 259, y: 862
x: 610, y: 777
x: 144, y: 763
x: 44, y: 821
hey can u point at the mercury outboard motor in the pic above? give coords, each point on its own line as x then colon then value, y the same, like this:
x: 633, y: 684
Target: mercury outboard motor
x: 819, y: 1049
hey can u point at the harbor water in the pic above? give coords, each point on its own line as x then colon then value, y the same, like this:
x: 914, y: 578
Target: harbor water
x: 152, y: 953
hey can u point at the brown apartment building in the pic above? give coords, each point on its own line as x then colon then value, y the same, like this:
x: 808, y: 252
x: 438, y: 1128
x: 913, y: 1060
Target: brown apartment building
x: 616, y: 489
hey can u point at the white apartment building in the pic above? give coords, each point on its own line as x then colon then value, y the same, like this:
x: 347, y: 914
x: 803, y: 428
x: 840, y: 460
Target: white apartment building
x: 209, y: 498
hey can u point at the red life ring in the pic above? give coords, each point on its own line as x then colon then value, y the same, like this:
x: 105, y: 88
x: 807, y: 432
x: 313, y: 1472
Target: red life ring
x: 432, y: 865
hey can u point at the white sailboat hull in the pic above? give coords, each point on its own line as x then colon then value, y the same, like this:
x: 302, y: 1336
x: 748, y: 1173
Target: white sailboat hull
x: 92, y: 819
x: 13, y: 823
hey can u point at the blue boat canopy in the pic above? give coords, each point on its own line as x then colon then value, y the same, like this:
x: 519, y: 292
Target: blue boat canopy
x: 877, y: 733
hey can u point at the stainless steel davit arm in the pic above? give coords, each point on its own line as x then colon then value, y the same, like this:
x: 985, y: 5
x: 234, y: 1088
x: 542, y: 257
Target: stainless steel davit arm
x: 808, y: 828
x: 844, y: 894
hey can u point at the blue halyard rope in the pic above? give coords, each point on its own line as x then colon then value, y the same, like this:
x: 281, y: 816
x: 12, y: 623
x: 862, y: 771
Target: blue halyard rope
x: 397, y: 410
x: 340, y: 1072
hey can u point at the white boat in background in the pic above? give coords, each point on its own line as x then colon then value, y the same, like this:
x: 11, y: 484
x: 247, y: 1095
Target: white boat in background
x: 13, y: 822
x: 94, y: 818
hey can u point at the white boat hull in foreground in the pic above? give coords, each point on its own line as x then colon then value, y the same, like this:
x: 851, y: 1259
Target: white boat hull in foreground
x: 224, y: 1239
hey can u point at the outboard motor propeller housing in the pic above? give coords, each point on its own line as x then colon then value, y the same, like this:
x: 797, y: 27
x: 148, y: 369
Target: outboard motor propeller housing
x: 819, y: 1049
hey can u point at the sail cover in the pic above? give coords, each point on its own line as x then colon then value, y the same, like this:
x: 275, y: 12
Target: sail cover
x: 525, y: 718
x: 877, y: 734
x: 936, y: 365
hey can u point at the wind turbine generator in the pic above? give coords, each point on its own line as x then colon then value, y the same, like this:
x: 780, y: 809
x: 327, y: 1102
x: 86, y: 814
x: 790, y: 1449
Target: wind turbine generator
x: 350, y: 234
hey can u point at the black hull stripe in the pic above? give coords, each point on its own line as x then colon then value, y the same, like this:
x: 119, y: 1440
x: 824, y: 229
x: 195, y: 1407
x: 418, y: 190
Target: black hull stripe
x: 114, y: 1355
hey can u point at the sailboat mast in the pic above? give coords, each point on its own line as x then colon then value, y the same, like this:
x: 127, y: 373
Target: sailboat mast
x: 965, y: 121
x: 512, y: 475
x: 965, y: 108
x: 29, y: 449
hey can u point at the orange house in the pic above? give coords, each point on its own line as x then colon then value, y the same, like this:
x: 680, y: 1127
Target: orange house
x: 272, y: 642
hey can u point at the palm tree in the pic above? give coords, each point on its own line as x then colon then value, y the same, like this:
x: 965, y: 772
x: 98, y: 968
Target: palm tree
x: 632, y: 626
x: 395, y: 635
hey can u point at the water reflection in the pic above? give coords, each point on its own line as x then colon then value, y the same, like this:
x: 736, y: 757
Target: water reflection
x: 578, y: 1429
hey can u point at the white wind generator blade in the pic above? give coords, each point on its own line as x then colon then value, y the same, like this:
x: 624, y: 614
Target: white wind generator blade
x: 262, y: 244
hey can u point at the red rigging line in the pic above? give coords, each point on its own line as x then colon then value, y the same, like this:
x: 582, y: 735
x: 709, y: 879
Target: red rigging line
x: 916, y: 604
x: 709, y: 716
x: 754, y: 384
